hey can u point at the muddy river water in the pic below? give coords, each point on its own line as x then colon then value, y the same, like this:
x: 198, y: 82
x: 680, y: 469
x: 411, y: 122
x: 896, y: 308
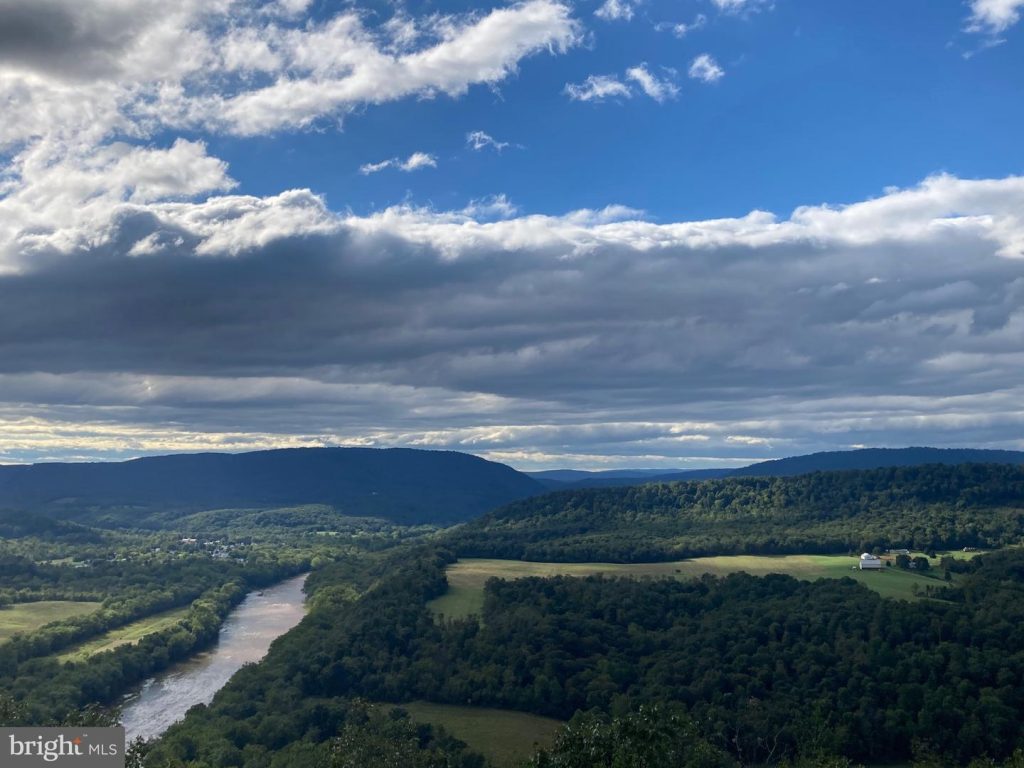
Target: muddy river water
x: 245, y: 636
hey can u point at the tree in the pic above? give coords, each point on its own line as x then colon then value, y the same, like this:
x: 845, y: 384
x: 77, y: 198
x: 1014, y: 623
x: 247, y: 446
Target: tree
x: 652, y: 737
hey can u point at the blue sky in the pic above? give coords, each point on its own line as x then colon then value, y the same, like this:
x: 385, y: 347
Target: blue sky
x: 820, y: 102
x: 592, y: 234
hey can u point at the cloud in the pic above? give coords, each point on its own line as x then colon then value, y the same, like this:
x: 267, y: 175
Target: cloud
x: 994, y: 16
x: 657, y: 89
x: 603, y: 87
x: 615, y: 10
x: 87, y: 69
x: 739, y: 6
x: 414, y: 162
x: 598, y: 88
x: 149, y: 322
x: 479, y: 140
x: 680, y: 29
x: 706, y: 69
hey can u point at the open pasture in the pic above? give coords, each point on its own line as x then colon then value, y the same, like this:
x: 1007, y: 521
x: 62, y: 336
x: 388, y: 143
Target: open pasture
x: 25, y: 617
x: 467, y: 577
x: 504, y: 737
x: 126, y: 635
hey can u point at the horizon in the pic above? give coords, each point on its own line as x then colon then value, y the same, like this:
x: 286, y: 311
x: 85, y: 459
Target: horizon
x: 526, y: 470
x: 603, y: 234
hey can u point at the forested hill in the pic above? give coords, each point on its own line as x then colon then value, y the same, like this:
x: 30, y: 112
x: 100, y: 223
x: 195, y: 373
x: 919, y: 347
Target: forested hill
x: 862, y: 458
x: 933, y: 506
x: 876, y: 458
x: 402, y: 485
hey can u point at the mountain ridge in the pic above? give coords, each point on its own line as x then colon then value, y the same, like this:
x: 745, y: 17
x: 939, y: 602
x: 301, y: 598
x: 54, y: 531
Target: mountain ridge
x: 399, y: 484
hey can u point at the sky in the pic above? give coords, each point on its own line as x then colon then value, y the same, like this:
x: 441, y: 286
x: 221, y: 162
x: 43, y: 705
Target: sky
x: 594, y: 234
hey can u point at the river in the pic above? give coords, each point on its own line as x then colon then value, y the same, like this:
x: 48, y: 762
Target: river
x: 245, y: 636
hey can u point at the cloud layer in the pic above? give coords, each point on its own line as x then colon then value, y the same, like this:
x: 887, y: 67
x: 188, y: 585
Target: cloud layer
x: 590, y: 338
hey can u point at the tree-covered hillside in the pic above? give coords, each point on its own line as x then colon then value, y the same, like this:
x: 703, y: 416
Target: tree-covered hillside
x: 400, y: 485
x: 934, y: 506
x: 769, y: 668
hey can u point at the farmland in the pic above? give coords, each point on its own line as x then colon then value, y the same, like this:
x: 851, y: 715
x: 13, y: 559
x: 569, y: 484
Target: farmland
x: 25, y: 617
x: 504, y: 737
x: 467, y: 577
x: 126, y: 635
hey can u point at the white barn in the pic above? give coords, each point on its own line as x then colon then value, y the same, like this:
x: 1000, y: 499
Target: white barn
x: 869, y: 562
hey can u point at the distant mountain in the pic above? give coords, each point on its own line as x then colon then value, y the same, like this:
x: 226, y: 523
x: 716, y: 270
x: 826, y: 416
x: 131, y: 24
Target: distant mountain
x: 561, y: 479
x: 876, y: 458
x: 402, y: 485
x: 864, y: 458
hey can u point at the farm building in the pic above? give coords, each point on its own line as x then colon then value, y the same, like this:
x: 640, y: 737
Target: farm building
x: 869, y: 562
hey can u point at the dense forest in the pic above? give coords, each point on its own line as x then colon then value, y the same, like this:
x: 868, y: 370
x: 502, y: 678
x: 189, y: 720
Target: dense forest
x: 767, y: 668
x: 928, y: 507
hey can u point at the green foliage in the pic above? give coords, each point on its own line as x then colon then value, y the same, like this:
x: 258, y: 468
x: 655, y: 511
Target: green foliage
x: 922, y: 508
x: 651, y: 737
x: 768, y: 668
x: 391, y: 740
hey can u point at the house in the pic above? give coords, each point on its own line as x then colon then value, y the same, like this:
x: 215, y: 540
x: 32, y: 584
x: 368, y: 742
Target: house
x: 869, y: 562
x: 899, y: 552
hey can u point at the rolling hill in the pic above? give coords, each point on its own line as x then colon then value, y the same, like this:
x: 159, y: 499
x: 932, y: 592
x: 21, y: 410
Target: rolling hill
x: 934, y: 506
x: 863, y: 458
x: 402, y: 485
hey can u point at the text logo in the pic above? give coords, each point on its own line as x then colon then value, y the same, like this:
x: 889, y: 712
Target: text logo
x: 71, y: 747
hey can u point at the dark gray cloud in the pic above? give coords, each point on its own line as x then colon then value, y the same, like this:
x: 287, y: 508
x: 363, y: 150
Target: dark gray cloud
x: 538, y: 339
x: 75, y: 40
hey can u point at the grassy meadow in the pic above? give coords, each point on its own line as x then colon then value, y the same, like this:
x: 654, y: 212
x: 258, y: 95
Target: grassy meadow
x: 466, y: 578
x: 126, y: 635
x: 504, y: 737
x: 25, y: 617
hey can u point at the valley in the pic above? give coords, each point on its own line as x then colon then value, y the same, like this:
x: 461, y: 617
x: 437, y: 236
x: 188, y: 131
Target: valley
x: 721, y: 607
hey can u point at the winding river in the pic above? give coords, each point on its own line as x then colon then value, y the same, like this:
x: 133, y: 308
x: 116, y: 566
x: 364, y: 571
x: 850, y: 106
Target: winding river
x: 245, y: 636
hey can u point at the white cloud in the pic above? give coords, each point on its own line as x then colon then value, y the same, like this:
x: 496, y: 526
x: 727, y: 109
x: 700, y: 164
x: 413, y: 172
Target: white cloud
x: 479, y: 140
x: 706, y: 69
x: 615, y: 10
x: 598, y: 88
x: 494, y: 207
x: 338, y: 65
x: 738, y: 6
x: 994, y: 16
x: 418, y: 160
x: 658, y: 89
x: 603, y: 87
x: 680, y: 29
x: 414, y: 162
x: 85, y: 69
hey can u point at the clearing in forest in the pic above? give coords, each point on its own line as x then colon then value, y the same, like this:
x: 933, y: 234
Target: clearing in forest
x: 25, y: 617
x: 466, y: 578
x: 126, y: 635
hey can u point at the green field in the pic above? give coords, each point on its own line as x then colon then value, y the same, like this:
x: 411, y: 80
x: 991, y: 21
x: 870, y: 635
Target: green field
x: 466, y: 578
x: 504, y: 737
x: 126, y: 635
x: 24, y: 617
